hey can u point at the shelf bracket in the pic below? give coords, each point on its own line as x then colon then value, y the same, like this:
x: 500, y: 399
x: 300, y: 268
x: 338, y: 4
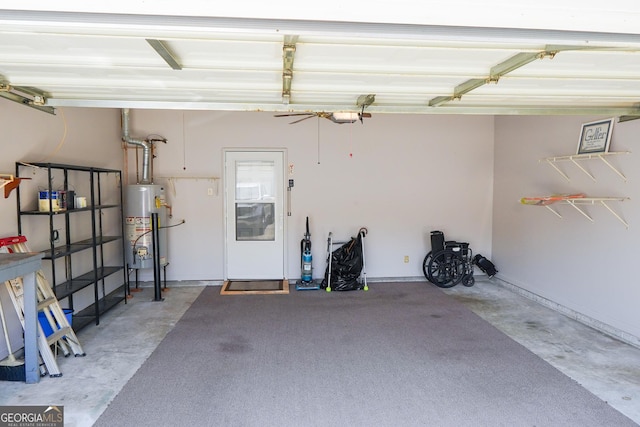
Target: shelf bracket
x: 580, y: 210
x: 613, y: 168
x: 583, y: 169
x: 550, y: 162
x: 603, y: 203
x: 9, y: 183
x: 600, y: 201
x: 553, y: 211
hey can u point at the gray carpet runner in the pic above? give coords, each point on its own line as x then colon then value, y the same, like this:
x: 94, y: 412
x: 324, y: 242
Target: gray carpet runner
x: 401, y: 354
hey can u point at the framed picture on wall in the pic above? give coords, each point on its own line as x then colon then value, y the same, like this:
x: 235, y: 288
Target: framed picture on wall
x: 595, y: 137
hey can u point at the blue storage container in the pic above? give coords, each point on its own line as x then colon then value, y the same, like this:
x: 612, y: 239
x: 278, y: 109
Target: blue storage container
x: 46, y: 327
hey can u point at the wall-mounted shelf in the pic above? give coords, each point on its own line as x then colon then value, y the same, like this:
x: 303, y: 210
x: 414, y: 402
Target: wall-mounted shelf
x: 171, y: 180
x: 576, y: 158
x: 602, y: 201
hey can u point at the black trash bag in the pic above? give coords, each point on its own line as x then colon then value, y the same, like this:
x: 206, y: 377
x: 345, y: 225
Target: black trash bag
x: 485, y: 265
x: 346, y: 265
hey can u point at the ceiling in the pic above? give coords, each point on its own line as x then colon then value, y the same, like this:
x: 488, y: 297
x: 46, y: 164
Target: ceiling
x: 87, y: 59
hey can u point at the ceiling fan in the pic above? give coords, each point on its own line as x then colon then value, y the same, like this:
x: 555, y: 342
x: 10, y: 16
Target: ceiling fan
x: 340, y: 117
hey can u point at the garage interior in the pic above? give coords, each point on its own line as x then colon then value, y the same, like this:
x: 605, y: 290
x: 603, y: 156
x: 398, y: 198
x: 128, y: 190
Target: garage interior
x: 449, y: 120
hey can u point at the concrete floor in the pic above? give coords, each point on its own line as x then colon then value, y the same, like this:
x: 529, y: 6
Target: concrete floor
x: 129, y: 333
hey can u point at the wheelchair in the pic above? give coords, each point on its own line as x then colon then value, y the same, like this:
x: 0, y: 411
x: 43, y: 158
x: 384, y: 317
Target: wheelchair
x: 448, y: 263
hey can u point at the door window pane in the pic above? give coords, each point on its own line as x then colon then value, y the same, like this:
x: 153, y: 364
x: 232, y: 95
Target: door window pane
x: 254, y: 200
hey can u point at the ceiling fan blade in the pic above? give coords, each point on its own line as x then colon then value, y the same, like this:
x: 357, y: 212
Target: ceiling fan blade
x: 299, y: 120
x: 363, y: 115
x: 294, y: 114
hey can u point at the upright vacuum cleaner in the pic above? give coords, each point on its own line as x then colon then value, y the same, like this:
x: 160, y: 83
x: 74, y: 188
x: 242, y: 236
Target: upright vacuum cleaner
x: 306, y: 281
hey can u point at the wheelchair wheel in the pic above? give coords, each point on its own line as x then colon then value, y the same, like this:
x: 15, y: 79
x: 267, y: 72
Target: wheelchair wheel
x: 425, y: 266
x: 445, y: 269
x: 468, y: 280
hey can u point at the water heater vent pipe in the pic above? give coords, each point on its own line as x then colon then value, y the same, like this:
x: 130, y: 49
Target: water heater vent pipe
x: 146, y: 147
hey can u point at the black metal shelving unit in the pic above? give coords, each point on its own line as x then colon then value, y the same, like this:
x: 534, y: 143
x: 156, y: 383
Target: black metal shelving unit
x: 103, y: 300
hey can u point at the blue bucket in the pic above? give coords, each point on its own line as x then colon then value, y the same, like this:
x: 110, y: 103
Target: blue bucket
x: 46, y: 327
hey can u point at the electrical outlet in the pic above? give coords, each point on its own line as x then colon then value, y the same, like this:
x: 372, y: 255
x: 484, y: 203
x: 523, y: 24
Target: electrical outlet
x: 406, y: 259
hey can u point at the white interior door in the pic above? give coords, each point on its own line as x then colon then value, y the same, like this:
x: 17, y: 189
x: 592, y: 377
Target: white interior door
x: 254, y: 203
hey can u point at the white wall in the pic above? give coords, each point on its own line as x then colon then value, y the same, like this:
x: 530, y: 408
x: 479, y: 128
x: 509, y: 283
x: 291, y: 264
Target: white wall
x: 73, y: 136
x: 587, y: 267
x: 407, y: 175
x: 400, y: 176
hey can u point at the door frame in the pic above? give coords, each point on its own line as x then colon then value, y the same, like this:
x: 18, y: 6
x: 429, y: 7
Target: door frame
x: 285, y: 207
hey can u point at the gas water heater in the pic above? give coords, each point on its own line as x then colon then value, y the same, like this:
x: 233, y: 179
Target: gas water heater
x: 141, y: 201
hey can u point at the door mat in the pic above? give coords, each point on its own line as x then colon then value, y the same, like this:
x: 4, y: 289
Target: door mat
x: 254, y: 287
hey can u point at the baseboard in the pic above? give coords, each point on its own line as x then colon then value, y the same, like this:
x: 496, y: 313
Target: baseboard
x: 572, y: 314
